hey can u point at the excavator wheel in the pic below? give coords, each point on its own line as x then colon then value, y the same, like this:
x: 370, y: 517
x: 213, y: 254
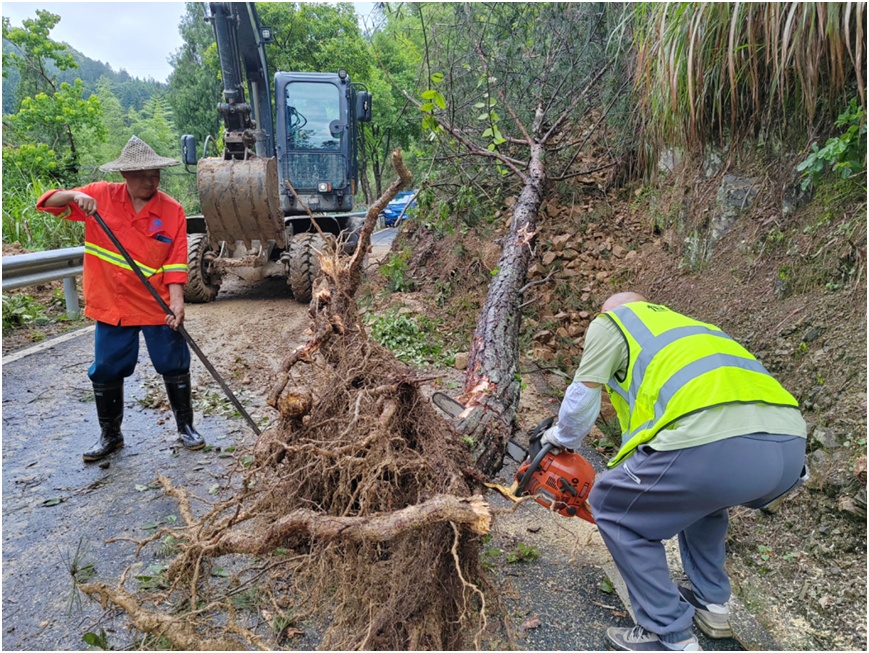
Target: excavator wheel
x: 202, y: 286
x: 304, y: 266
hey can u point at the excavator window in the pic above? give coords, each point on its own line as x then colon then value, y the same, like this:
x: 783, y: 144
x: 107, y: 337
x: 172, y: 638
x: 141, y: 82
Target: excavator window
x: 311, y: 108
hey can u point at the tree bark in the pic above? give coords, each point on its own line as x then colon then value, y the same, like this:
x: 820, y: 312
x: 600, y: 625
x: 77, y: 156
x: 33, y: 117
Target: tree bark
x: 491, y: 390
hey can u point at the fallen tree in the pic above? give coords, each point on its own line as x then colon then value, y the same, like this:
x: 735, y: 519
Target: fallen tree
x: 546, y: 88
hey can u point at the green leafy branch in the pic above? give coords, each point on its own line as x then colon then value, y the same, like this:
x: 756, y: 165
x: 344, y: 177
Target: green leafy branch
x: 433, y: 99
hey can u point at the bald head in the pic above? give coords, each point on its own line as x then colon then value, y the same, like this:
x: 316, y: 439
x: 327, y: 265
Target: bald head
x: 621, y: 298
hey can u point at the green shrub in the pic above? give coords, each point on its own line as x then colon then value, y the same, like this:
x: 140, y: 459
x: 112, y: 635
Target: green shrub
x: 844, y: 154
x: 21, y: 310
x: 35, y: 230
x: 395, y: 271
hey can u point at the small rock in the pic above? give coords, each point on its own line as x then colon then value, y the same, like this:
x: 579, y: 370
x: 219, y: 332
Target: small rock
x: 543, y: 354
x: 462, y: 361
x: 826, y: 439
x: 812, y: 334
x: 104, y: 464
x: 543, y: 336
x: 860, y: 468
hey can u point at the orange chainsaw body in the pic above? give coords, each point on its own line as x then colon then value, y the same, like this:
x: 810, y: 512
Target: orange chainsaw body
x: 561, y: 482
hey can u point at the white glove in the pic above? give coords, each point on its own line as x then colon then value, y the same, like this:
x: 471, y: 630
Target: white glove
x: 550, y: 436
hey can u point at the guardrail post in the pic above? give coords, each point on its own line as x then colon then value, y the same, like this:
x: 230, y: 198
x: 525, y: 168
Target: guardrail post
x: 70, y: 294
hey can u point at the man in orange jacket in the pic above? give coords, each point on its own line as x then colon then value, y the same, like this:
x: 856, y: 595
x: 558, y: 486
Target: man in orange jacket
x: 152, y: 228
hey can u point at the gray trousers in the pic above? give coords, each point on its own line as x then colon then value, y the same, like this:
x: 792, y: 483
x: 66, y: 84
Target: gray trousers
x: 656, y: 495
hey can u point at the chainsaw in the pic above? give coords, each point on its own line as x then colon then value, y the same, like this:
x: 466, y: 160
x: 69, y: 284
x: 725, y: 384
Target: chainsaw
x: 559, y: 480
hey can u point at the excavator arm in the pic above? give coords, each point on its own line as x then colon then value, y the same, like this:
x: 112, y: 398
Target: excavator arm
x: 241, y: 49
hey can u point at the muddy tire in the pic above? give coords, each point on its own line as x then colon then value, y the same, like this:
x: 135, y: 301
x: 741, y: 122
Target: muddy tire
x: 202, y: 286
x: 304, y: 266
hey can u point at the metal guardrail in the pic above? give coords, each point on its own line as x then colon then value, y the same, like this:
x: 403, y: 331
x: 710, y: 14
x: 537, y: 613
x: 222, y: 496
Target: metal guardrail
x: 24, y: 270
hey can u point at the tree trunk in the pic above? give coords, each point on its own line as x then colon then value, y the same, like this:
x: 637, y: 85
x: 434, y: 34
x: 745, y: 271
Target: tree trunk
x: 491, y: 383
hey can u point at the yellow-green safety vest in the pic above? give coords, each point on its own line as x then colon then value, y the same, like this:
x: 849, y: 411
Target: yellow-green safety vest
x: 678, y: 366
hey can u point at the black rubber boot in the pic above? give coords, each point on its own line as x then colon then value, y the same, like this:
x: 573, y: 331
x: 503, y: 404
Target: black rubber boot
x: 110, y: 412
x: 180, y: 398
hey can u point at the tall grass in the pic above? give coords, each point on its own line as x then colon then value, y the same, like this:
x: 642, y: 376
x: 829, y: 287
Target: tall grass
x: 708, y: 72
x: 32, y: 229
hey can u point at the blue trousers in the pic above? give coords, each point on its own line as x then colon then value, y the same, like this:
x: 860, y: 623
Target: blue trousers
x: 656, y: 495
x: 116, y: 351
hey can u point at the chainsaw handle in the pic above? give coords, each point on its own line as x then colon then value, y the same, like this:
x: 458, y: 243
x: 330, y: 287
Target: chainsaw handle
x: 532, y: 467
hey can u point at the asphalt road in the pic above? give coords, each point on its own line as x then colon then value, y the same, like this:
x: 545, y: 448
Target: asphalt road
x: 54, y: 504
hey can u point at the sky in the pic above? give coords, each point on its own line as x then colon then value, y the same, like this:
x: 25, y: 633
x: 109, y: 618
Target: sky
x: 136, y: 36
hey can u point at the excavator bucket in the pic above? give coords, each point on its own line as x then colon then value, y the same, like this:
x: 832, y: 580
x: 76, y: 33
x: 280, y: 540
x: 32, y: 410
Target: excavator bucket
x: 240, y: 201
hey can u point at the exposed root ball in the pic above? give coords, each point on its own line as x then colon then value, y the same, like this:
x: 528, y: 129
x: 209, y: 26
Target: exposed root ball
x: 373, y: 445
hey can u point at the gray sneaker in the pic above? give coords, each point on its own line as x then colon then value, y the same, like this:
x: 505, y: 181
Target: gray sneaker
x: 640, y: 639
x: 713, y: 618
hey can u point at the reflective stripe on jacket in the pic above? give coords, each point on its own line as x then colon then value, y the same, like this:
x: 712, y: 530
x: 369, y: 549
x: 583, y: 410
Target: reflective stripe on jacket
x: 678, y: 366
x: 155, y: 238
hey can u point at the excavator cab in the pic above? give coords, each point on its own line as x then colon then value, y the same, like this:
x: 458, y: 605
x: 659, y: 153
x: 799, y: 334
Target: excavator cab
x: 317, y: 134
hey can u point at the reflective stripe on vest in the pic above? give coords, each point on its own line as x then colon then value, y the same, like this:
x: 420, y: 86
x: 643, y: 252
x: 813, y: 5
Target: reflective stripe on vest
x: 114, y: 258
x: 730, y: 373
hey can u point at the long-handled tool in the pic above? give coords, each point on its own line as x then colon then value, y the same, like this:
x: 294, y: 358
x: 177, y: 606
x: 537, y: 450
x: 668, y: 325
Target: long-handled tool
x: 181, y: 329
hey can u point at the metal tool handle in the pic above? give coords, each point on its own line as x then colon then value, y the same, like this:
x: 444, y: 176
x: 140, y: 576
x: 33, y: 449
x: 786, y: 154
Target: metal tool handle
x: 181, y: 329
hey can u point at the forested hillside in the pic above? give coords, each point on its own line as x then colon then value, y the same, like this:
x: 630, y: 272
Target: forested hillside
x: 130, y: 91
x: 710, y: 156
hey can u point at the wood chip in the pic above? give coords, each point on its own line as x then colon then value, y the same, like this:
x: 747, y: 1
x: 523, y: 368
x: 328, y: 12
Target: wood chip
x: 530, y: 623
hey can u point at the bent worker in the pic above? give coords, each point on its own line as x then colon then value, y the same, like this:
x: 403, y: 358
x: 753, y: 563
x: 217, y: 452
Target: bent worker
x: 151, y: 226
x: 704, y: 427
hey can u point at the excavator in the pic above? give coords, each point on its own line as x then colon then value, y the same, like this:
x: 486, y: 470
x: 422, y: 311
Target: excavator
x: 288, y: 171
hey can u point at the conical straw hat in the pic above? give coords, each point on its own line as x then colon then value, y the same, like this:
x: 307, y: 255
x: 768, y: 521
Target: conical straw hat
x: 137, y: 155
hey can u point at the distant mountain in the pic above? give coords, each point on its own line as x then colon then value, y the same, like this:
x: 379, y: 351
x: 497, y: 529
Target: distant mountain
x: 130, y: 91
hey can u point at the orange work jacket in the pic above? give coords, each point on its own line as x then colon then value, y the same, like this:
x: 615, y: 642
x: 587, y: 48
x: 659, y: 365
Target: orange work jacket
x: 155, y: 238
